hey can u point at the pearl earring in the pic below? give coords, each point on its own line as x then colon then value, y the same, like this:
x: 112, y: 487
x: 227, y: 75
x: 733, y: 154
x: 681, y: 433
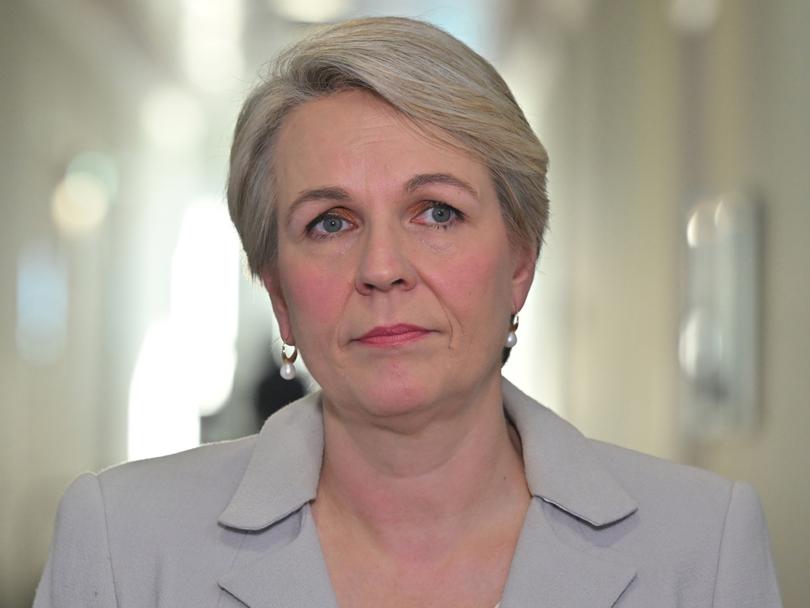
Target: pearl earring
x: 287, y: 370
x: 511, y: 337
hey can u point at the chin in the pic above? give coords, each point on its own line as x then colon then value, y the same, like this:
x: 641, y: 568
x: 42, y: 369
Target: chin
x: 403, y: 394
x: 433, y: 393
x: 390, y: 395
x: 404, y: 387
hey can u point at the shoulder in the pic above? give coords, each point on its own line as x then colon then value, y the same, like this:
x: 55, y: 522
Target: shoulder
x: 208, y: 461
x: 661, y: 484
x: 157, y: 496
x: 694, y: 536
x: 692, y: 526
x: 197, y: 481
x: 117, y: 532
x: 199, y: 473
x: 680, y: 508
x: 682, y: 493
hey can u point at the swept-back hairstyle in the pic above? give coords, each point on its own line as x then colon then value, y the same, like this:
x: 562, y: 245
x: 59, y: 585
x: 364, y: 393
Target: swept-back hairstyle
x: 424, y: 73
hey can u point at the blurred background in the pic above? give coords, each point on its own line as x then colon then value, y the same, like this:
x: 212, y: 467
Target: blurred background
x: 670, y: 313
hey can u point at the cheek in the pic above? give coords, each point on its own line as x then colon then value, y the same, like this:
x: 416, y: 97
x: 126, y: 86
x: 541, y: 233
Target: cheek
x: 475, y: 287
x: 315, y: 298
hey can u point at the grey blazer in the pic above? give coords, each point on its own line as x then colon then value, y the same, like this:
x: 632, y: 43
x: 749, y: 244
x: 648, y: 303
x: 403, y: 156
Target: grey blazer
x: 229, y: 524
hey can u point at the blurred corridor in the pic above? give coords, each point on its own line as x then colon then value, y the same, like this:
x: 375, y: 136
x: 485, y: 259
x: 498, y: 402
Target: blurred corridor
x: 128, y: 327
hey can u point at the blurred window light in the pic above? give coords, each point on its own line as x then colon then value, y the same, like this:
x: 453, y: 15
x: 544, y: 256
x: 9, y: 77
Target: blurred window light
x: 699, y: 225
x: 693, y: 228
x: 172, y: 119
x: 718, y: 352
x: 42, y: 303
x: 79, y: 203
x: 693, y: 16
x: 211, y: 50
x: 205, y: 272
x: 311, y: 11
x: 476, y: 22
x: 99, y: 165
x: 700, y: 348
x: 186, y: 364
x: 722, y: 220
x: 162, y: 419
x: 707, y: 221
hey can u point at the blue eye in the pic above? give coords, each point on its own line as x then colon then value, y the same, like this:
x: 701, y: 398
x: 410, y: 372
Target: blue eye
x: 326, y: 225
x: 331, y: 224
x: 440, y: 215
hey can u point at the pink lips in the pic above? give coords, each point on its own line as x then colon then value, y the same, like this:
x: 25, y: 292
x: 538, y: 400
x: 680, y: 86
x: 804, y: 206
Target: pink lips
x: 391, y: 335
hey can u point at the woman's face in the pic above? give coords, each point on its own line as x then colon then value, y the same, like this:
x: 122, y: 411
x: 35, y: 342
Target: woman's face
x: 395, y: 275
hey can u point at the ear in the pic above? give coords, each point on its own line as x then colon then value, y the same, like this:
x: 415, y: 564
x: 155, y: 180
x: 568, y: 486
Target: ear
x: 272, y: 284
x: 525, y: 262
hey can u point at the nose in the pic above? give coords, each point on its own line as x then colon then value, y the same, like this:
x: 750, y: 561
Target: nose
x: 384, y: 264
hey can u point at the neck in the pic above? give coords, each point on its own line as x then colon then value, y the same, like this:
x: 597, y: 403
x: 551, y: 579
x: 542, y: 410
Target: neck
x: 458, y: 466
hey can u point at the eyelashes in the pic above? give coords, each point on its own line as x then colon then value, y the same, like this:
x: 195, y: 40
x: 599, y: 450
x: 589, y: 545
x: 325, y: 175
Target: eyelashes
x: 334, y: 222
x: 328, y: 225
x: 440, y: 215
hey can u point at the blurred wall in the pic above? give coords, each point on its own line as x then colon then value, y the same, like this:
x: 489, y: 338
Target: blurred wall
x: 636, y: 115
x: 77, y: 77
x: 760, y: 133
x: 613, y: 143
x: 62, y: 406
x: 56, y: 417
x: 644, y: 115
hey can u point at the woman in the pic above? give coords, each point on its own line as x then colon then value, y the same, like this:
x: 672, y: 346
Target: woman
x: 390, y: 195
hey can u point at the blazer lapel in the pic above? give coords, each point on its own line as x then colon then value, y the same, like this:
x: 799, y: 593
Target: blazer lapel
x: 280, y: 562
x: 566, y: 475
x: 293, y: 574
x: 561, y: 465
x: 283, y: 471
x: 549, y: 573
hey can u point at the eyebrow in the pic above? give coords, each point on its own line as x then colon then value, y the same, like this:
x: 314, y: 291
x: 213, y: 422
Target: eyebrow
x: 426, y: 179
x: 333, y: 193
x: 329, y: 193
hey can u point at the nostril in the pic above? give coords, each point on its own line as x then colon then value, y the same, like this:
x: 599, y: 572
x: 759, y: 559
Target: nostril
x: 384, y: 285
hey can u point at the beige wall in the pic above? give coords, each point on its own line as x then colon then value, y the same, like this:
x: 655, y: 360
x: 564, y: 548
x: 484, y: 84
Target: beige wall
x: 623, y: 157
x: 613, y: 115
x: 74, y: 78
x: 773, y: 152
x: 61, y: 418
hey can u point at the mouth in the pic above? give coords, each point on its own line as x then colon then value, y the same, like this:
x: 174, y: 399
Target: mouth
x: 393, y: 335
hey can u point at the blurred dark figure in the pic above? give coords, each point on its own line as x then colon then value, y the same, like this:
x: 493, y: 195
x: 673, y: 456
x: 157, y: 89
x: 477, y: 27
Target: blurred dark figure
x: 273, y: 393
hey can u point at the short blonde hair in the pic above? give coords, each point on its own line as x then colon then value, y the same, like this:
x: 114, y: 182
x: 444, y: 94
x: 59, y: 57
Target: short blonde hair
x: 420, y: 70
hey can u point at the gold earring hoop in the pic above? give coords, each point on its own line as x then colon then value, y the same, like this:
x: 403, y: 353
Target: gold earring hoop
x: 287, y: 370
x: 511, y: 337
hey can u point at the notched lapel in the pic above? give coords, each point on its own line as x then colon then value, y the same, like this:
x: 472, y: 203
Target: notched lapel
x: 548, y: 572
x: 285, y: 576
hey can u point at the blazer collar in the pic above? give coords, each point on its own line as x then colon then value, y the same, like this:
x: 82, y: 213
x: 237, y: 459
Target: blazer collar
x: 548, y: 571
x: 283, y: 471
x: 544, y: 569
x: 561, y: 470
x: 560, y: 463
x: 292, y: 574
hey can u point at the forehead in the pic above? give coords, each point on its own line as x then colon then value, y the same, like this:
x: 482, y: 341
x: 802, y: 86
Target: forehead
x: 355, y: 139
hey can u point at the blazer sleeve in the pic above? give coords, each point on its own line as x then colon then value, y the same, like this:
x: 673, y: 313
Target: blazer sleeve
x: 79, y: 569
x: 746, y: 577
